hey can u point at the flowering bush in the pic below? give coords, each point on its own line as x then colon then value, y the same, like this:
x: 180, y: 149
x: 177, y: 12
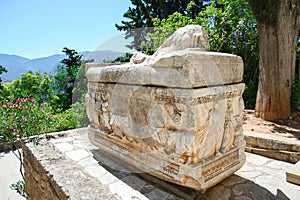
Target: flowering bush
x: 23, y: 117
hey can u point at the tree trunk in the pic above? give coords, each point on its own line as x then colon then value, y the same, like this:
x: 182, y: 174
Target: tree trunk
x: 277, y: 46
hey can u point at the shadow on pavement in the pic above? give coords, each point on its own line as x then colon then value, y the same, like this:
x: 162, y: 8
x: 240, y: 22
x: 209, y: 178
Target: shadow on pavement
x: 233, y: 187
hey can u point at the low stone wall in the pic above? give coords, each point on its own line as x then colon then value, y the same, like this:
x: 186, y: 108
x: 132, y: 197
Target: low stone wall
x: 50, y: 175
x: 39, y: 184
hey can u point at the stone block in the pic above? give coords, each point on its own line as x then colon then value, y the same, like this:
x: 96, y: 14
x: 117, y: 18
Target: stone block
x: 64, y: 146
x: 176, y: 115
x: 78, y: 154
x: 126, y: 192
x: 95, y: 170
x: 293, y: 174
x: 107, y: 179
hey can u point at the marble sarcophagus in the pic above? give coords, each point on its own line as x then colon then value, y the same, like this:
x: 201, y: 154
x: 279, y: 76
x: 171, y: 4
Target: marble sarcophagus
x: 176, y: 115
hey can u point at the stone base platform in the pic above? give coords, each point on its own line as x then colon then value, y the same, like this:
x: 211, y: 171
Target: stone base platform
x: 196, y: 176
x: 63, y: 166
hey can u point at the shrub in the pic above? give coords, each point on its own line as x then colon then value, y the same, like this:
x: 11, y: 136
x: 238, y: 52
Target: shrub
x: 65, y: 120
x: 23, y: 117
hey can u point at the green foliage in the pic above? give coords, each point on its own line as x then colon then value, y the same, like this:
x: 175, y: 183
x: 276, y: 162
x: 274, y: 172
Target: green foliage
x: 31, y: 85
x: 29, y: 106
x: 23, y: 117
x: 233, y: 29
x: 143, y: 11
x: 295, y: 98
x: 122, y: 59
x: 65, y: 120
x: 79, y: 114
x: 79, y: 106
x: 72, y: 61
x: 141, y: 15
x: 36, y: 103
x: 65, y: 78
x: 2, y: 69
x: 80, y: 86
x: 19, y: 187
x: 230, y: 25
x: 60, y: 87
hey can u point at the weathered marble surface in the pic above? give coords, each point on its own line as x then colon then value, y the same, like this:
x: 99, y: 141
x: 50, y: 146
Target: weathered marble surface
x: 183, y: 61
x: 176, y: 114
x: 190, y: 68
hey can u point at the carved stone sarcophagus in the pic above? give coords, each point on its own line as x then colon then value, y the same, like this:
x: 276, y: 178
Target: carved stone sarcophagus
x: 176, y: 115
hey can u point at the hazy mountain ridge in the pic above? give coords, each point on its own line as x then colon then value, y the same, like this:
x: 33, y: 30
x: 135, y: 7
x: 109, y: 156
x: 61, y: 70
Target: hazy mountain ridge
x: 16, y: 65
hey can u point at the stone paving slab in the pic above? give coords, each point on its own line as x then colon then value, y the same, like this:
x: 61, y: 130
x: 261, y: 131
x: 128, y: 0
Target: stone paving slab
x: 259, y: 178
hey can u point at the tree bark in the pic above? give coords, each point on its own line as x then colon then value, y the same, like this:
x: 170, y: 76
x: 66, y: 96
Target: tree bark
x: 277, y: 46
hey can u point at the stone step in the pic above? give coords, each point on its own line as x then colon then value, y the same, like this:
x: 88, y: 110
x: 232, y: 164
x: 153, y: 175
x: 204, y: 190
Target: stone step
x: 293, y: 174
x: 273, y: 146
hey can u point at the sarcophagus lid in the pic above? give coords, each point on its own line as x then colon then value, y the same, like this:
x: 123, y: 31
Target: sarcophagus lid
x: 176, y: 115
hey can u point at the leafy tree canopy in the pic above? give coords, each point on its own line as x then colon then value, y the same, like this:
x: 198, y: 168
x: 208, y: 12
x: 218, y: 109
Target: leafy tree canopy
x: 33, y: 85
x: 66, y: 75
x: 142, y: 13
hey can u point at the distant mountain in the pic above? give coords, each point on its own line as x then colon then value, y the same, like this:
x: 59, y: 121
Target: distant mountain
x: 16, y: 65
x: 46, y: 64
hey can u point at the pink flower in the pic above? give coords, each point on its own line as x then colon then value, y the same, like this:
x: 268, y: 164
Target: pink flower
x: 24, y: 119
x: 12, y: 123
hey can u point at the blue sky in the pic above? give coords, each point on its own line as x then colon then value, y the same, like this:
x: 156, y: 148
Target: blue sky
x: 38, y: 28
